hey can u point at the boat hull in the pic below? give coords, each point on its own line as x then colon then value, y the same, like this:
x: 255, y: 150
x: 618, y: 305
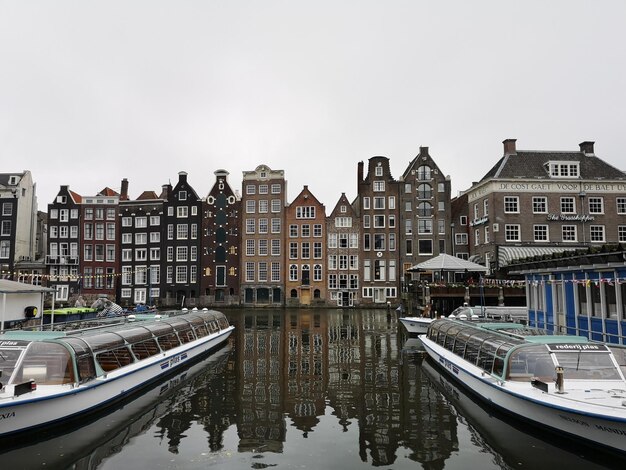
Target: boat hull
x: 546, y: 410
x: 51, y: 405
x: 416, y: 325
x: 89, y: 440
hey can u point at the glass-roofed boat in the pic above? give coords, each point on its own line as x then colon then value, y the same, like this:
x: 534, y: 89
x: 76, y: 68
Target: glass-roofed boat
x: 48, y: 377
x: 566, y: 383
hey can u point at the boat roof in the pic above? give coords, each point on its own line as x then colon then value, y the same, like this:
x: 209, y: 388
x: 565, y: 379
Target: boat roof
x: 103, y: 336
x: 22, y: 335
x: 554, y: 339
x: 14, y: 287
x: 517, y: 331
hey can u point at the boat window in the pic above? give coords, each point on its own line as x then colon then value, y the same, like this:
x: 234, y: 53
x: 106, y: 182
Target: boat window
x: 104, y: 340
x: 168, y: 341
x: 471, y: 349
x: 114, y: 359
x: 587, y: 365
x: 485, y: 360
x: 451, y: 336
x: 186, y: 335
x: 77, y: 344
x: 213, y: 326
x: 46, y: 364
x: 223, y: 321
x: 86, y: 368
x: 487, y: 353
x: 528, y: 362
x: 443, y: 328
x: 145, y: 349
x: 201, y: 330
x: 196, y: 320
x: 159, y: 329
x: 8, y: 360
x: 498, y: 363
x: 135, y: 335
x: 178, y: 323
x: 461, y: 341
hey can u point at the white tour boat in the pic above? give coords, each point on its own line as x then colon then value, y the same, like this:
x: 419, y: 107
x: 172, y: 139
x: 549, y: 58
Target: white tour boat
x: 90, y: 440
x: 416, y: 325
x: 562, y: 383
x: 48, y: 377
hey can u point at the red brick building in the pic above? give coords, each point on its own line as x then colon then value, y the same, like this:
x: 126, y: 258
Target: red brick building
x: 305, y: 222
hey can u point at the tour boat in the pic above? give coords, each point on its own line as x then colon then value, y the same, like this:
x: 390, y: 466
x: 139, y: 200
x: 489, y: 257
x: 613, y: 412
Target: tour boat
x: 512, y: 442
x: 85, y: 443
x: 48, y: 377
x: 416, y: 325
x: 563, y: 383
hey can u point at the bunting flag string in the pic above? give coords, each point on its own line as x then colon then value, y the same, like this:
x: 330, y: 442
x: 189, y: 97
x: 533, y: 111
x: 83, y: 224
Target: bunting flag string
x: 517, y: 283
x: 511, y: 283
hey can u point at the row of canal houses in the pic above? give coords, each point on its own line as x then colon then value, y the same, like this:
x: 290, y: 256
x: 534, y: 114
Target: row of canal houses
x: 177, y: 248
x: 253, y: 247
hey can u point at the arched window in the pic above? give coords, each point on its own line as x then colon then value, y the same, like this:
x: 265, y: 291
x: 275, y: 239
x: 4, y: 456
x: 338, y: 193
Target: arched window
x: 423, y: 173
x: 293, y: 272
x: 424, y: 209
x: 294, y: 293
x: 424, y: 191
x: 306, y: 273
x: 317, y: 272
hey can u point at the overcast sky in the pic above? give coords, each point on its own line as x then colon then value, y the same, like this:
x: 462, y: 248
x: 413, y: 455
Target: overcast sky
x: 95, y: 91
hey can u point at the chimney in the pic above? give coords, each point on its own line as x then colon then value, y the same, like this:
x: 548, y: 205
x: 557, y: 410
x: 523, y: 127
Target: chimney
x: 509, y: 147
x: 359, y: 174
x: 124, y: 195
x: 165, y: 191
x: 586, y: 147
x: 423, y: 151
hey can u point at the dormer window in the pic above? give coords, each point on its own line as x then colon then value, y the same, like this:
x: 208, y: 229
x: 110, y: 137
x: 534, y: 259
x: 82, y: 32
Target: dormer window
x: 12, y: 180
x: 563, y: 169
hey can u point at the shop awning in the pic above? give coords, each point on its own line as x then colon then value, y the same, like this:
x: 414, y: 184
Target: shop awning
x: 507, y: 254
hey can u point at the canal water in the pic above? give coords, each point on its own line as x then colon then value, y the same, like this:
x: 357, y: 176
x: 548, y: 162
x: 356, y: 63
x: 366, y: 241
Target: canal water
x: 304, y: 389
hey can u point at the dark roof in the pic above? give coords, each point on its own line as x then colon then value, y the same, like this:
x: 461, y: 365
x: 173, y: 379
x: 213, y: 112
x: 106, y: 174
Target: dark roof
x: 531, y: 164
x: 5, y: 177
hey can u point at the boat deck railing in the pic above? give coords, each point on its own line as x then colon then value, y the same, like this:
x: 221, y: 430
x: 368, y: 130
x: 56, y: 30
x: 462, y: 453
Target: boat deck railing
x: 593, y: 335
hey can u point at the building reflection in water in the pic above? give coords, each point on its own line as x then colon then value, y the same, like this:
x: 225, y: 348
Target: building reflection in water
x: 288, y: 380
x: 285, y: 372
x: 260, y: 343
x: 209, y: 404
x: 291, y: 364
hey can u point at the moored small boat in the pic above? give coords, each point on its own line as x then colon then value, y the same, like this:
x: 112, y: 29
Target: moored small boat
x: 416, y: 325
x: 563, y: 383
x: 48, y: 377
